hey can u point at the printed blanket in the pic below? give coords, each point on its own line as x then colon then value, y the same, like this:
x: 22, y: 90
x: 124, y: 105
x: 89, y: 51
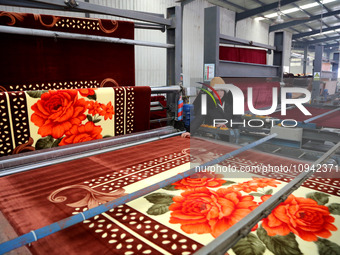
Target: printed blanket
x: 33, y: 120
x: 178, y: 219
x: 39, y: 63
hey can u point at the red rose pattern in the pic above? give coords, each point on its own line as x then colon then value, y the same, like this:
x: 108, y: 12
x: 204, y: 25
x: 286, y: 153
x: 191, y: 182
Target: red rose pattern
x: 198, y: 181
x: 201, y: 210
x: 60, y: 113
x: 57, y: 111
x: 301, y: 216
x: 83, y: 133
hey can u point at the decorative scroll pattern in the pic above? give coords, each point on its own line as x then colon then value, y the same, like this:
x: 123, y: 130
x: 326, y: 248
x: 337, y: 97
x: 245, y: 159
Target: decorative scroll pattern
x: 124, y: 227
x: 39, y: 18
x: 92, y: 199
x: 13, y: 17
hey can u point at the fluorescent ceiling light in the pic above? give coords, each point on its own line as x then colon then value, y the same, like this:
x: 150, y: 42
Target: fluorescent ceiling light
x: 307, y: 6
x: 295, y: 9
x: 272, y: 15
x: 328, y: 32
x: 259, y: 18
x: 323, y: 33
x: 327, y: 1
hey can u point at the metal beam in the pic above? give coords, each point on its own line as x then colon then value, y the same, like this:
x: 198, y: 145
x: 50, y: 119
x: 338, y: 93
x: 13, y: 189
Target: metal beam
x: 298, y: 22
x: 240, y: 69
x: 32, y: 160
x: 262, y: 9
x: 234, y: 40
x: 322, y: 40
x: 94, y: 8
x: 314, y: 32
x: 30, y: 4
x: 331, y: 45
x: 215, y: 2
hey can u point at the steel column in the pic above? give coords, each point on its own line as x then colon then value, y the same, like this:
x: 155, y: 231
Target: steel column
x: 174, y: 36
x: 317, y: 68
x: 335, y: 66
x: 174, y: 57
x: 278, y: 53
x: 305, y: 59
x: 212, y: 37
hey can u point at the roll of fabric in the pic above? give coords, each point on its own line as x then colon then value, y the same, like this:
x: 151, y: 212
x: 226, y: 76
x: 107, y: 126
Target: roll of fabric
x: 39, y: 63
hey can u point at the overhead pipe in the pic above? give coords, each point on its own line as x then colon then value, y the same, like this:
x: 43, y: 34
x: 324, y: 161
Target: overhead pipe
x: 66, y: 35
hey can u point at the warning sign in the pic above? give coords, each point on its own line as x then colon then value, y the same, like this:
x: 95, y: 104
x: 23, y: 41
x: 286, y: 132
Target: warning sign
x: 317, y: 76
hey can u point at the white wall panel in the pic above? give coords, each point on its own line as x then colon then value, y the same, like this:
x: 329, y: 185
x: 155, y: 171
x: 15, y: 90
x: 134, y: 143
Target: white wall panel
x: 252, y: 30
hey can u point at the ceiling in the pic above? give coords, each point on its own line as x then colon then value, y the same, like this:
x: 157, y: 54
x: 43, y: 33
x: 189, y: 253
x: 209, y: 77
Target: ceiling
x: 311, y: 21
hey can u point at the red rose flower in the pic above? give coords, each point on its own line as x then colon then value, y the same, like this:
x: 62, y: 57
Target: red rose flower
x: 265, y: 182
x: 83, y: 133
x: 86, y: 92
x: 107, y: 111
x: 302, y: 216
x: 203, y: 211
x: 94, y: 107
x: 57, y: 111
x: 198, y: 181
x: 256, y: 183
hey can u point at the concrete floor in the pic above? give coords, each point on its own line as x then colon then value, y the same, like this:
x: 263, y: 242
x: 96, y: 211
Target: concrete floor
x: 7, y: 233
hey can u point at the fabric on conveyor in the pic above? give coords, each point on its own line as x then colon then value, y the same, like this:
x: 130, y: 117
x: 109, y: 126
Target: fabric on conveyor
x: 178, y: 219
x: 33, y: 120
x: 243, y: 55
x: 262, y: 90
x: 37, y: 63
x: 331, y: 121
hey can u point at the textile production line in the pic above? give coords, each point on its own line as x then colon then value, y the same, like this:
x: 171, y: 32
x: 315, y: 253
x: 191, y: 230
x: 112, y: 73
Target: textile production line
x: 313, y: 134
x: 132, y: 193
